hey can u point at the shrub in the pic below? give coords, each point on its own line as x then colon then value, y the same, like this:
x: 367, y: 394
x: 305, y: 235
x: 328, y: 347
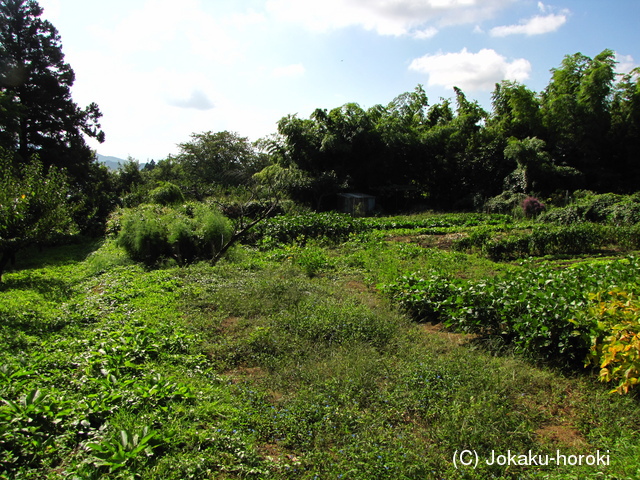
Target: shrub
x: 563, y: 216
x: 607, y: 208
x: 532, y: 207
x: 626, y: 212
x: 143, y: 235
x: 558, y: 240
x: 506, y: 203
x: 614, y: 324
x: 424, y: 298
x: 166, y: 194
x: 599, y: 207
x: 191, y: 232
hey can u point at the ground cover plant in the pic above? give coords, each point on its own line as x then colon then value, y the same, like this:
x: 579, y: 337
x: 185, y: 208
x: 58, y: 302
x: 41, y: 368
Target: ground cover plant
x: 530, y: 308
x: 285, y: 361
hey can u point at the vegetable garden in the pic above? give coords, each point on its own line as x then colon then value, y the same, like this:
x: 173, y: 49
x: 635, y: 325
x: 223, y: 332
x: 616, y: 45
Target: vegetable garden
x: 323, y: 346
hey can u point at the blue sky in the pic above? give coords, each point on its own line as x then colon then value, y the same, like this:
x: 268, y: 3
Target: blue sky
x: 161, y: 70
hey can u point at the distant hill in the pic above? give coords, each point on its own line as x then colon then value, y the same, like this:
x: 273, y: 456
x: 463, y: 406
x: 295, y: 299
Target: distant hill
x: 111, y: 162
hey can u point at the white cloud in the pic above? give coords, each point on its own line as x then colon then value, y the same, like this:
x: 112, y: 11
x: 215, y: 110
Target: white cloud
x: 399, y: 17
x: 534, y: 26
x: 471, y: 71
x: 626, y: 63
x: 427, y: 33
x: 295, y: 70
x: 197, y: 100
x: 251, y: 18
x: 158, y: 26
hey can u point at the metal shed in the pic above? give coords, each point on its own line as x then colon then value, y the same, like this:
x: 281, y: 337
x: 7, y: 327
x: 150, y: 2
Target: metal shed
x: 356, y: 204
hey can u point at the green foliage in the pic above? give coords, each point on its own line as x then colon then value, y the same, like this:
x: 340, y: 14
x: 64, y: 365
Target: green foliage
x: 43, y: 119
x: 236, y: 209
x: 337, y: 227
x: 34, y: 207
x: 507, y: 202
x: 310, y: 257
x: 609, y: 208
x: 572, y: 239
x: 254, y: 369
x: 613, y: 323
x: 124, y: 449
x: 221, y: 158
x: 436, y: 221
x: 150, y: 233
x: 30, y: 425
x: 166, y: 194
x: 529, y: 309
x: 424, y: 297
x: 288, y: 228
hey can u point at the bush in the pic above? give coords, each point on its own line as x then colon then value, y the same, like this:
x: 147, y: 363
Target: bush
x: 188, y: 233
x: 614, y: 334
x: 506, y: 203
x: 532, y: 207
x: 143, y: 235
x: 607, y: 208
x: 424, y: 298
x: 563, y: 216
x: 166, y: 194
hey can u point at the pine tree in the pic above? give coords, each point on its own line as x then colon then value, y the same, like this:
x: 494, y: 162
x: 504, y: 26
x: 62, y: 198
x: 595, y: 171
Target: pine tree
x: 40, y: 116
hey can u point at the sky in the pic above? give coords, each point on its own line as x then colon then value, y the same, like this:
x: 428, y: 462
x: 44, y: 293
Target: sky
x: 162, y: 70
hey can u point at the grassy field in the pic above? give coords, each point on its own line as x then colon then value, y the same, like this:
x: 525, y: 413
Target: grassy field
x: 289, y: 361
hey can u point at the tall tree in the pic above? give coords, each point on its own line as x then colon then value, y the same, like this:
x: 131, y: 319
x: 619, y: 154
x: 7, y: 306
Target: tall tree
x: 516, y: 111
x: 576, y: 112
x: 222, y: 158
x: 625, y: 129
x: 37, y: 80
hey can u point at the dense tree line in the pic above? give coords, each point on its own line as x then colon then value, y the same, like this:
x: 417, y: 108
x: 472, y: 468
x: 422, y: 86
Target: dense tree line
x: 582, y: 131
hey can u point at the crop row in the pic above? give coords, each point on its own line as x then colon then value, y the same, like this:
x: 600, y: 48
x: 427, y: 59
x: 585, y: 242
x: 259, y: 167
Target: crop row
x: 549, y: 240
x: 338, y: 226
x: 529, y: 309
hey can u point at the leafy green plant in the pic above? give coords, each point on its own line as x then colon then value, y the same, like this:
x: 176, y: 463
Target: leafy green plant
x: 528, y: 309
x: 29, y: 427
x: 608, y: 208
x: 289, y: 228
x: 540, y: 241
x: 614, y: 331
x: 166, y: 194
x: 424, y: 297
x: 124, y: 449
x: 150, y: 233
